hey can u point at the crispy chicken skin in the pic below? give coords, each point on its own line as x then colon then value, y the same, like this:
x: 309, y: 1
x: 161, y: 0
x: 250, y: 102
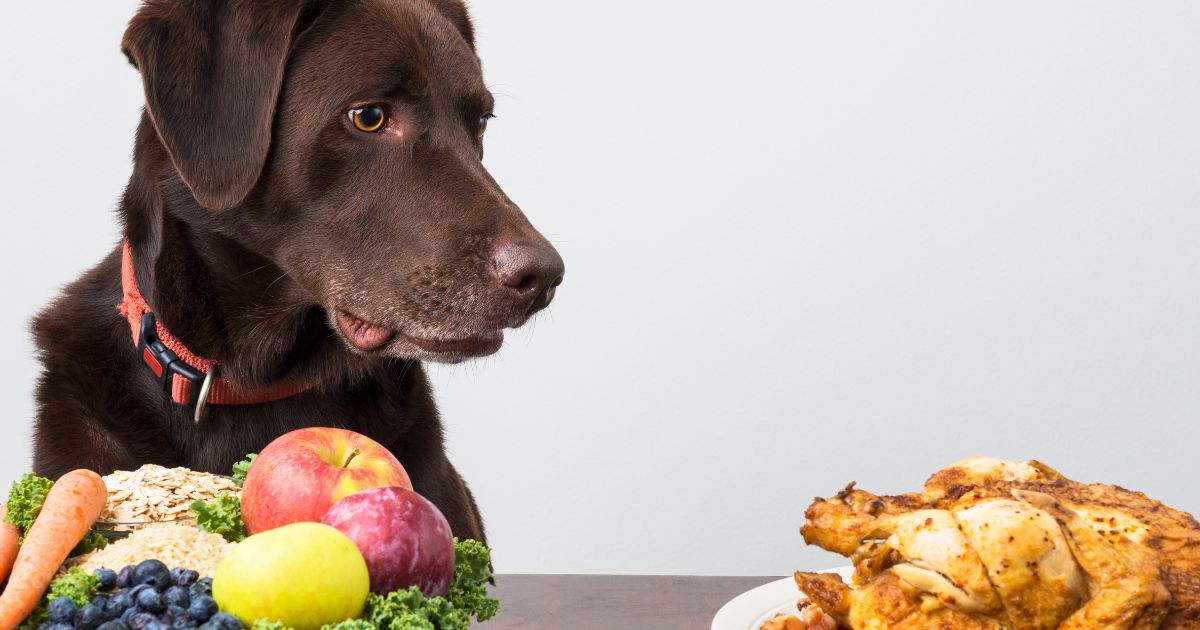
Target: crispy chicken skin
x: 1007, y: 546
x: 885, y: 602
x: 840, y: 524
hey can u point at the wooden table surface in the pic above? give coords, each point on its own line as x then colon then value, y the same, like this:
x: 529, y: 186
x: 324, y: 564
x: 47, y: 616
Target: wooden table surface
x: 614, y: 602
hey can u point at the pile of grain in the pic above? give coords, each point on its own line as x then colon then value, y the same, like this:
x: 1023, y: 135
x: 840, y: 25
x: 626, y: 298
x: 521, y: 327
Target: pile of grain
x: 155, y: 493
x: 174, y: 545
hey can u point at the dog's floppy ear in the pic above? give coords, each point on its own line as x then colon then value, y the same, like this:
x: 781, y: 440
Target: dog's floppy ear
x: 212, y: 72
x: 456, y: 12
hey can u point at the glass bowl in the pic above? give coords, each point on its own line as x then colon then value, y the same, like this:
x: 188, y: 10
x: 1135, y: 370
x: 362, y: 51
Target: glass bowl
x: 116, y: 531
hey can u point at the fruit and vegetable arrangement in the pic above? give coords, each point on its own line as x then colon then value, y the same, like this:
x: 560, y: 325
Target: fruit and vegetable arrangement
x: 320, y: 531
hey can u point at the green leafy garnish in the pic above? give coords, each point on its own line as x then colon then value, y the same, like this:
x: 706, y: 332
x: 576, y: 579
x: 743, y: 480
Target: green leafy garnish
x: 242, y: 468
x: 267, y: 624
x: 350, y: 624
x: 76, y: 584
x: 222, y: 515
x: 410, y: 610
x: 25, y: 501
x: 91, y: 542
x: 472, y: 576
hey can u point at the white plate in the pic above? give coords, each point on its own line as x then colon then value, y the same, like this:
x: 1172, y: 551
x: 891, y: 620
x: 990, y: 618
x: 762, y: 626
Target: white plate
x: 751, y: 609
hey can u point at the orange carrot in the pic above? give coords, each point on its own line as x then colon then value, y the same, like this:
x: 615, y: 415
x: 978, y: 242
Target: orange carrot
x: 9, y: 535
x: 72, y: 506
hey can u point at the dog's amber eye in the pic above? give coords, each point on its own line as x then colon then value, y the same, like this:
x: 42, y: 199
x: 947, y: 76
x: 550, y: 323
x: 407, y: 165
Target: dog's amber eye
x: 368, y: 119
x: 482, y: 126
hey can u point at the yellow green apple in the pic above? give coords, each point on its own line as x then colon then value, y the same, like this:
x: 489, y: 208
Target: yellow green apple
x: 300, y: 475
x: 304, y: 575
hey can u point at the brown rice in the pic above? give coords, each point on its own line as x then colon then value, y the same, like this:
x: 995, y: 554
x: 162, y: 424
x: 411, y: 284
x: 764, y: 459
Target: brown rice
x: 174, y: 545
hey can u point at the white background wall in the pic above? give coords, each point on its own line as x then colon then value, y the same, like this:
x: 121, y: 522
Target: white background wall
x: 806, y: 243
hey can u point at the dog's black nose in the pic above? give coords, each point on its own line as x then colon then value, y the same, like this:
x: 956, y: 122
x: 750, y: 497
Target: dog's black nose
x: 528, y: 271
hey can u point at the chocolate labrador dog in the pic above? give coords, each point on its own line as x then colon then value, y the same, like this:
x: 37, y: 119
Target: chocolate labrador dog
x: 308, y: 220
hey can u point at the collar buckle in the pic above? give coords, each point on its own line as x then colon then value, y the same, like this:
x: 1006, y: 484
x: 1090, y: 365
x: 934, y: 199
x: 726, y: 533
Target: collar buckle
x: 161, y: 360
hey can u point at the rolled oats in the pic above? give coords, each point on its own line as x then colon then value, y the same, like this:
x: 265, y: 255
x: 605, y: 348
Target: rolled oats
x: 156, y: 493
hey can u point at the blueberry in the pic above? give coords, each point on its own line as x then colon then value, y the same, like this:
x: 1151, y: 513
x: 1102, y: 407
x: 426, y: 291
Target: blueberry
x: 224, y: 621
x: 183, y: 623
x: 129, y: 614
x: 45, y: 625
x: 120, y: 601
x: 202, y: 608
x: 152, y: 572
x: 150, y: 601
x: 90, y: 616
x: 157, y: 625
x: 107, y: 578
x: 227, y: 621
x: 183, y: 577
x: 131, y: 594
x: 140, y: 620
x: 116, y: 624
x: 198, y: 590
x: 116, y: 605
x: 177, y: 596
x: 125, y: 576
x: 61, y: 625
x: 62, y: 610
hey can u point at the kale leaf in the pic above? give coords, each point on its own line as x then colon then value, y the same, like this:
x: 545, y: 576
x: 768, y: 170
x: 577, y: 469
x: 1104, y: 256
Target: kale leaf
x: 222, y: 515
x: 25, y: 501
x: 472, y: 576
x: 242, y: 468
x: 410, y: 610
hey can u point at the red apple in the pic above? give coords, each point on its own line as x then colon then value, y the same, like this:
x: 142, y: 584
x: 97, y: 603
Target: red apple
x: 300, y: 475
x: 403, y: 537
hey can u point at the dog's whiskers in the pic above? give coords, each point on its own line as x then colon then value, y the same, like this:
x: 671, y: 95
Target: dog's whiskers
x: 274, y: 282
x: 252, y: 271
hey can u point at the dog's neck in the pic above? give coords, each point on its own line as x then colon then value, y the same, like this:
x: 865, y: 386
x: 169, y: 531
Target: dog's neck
x: 222, y: 300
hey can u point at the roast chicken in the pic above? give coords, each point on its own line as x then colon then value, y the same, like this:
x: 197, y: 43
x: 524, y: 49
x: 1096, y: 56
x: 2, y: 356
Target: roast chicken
x: 999, y: 545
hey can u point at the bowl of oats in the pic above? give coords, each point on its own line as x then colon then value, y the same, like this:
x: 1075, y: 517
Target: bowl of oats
x: 156, y: 495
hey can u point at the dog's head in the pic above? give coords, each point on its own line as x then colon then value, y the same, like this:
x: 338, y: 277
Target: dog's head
x: 343, y: 139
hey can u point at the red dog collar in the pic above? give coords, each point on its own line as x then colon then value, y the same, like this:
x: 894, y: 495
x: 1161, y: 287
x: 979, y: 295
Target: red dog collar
x: 187, y: 376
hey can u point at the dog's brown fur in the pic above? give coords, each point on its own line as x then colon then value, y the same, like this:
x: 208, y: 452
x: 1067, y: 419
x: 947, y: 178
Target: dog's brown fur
x: 256, y: 211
